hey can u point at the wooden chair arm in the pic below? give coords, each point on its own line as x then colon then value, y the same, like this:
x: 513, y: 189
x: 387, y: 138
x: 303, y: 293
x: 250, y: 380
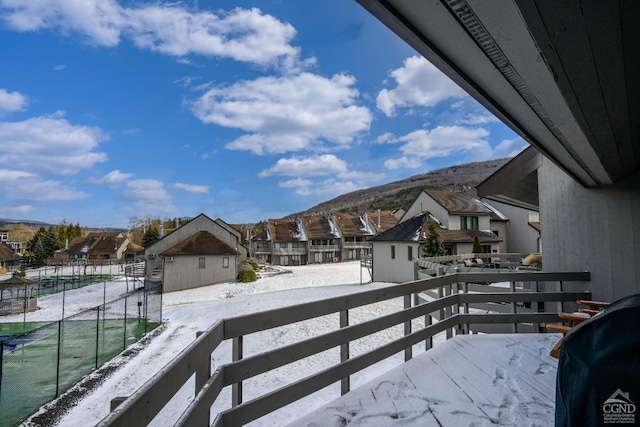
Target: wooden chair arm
x: 558, y: 328
x: 592, y: 304
x: 575, y: 318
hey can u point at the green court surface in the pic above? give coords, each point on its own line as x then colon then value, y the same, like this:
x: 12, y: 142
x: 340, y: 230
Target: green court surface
x: 35, y: 369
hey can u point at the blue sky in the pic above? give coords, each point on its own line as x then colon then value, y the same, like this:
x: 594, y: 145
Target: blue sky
x: 242, y: 110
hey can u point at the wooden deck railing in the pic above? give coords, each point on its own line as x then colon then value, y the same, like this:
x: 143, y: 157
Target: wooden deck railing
x: 532, y: 308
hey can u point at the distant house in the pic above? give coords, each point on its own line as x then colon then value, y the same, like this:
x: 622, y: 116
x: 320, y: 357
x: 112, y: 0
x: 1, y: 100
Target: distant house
x: 7, y: 257
x: 201, y: 252
x: 323, y: 239
x: 95, y: 246
x: 261, y: 247
x: 15, y: 245
x: 356, y: 232
x: 395, y: 250
x: 288, y: 242
x: 384, y: 220
x: 462, y: 217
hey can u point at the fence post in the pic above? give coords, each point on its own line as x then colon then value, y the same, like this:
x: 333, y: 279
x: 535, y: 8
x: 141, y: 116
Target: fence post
x: 58, y: 359
x: 1, y: 363
x: 236, y: 388
x: 345, y: 383
x: 408, y: 352
x: 97, y: 335
x: 203, y: 373
x: 124, y: 335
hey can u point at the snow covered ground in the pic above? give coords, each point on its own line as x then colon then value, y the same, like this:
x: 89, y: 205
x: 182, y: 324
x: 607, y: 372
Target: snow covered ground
x: 187, y: 312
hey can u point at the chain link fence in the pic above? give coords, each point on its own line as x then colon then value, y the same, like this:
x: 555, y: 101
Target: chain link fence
x: 39, y: 365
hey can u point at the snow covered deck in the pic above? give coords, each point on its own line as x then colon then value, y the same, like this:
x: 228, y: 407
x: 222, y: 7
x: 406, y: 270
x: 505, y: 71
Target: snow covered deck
x: 470, y: 380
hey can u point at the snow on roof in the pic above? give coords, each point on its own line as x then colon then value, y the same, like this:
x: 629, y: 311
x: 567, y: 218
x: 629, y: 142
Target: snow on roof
x: 495, y: 211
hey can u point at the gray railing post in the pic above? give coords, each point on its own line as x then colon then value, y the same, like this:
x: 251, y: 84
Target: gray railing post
x: 465, y: 290
x: 514, y: 307
x: 345, y: 383
x: 447, y: 310
x: 408, y: 352
x: 203, y: 372
x: 236, y: 388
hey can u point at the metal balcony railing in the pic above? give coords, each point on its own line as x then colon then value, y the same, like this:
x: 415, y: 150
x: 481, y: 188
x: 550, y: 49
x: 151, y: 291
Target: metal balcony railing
x: 529, y: 309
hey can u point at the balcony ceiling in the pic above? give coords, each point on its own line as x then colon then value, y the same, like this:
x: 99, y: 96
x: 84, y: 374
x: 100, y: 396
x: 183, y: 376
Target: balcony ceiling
x: 565, y: 75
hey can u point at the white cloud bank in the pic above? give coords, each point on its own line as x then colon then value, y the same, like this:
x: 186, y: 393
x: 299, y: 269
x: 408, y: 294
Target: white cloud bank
x: 169, y: 28
x: 289, y: 113
x: 149, y: 196
x: 50, y: 144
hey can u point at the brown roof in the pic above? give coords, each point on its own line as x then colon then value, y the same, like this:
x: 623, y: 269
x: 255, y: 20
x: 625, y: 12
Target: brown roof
x: 19, y: 281
x: 458, y: 202
x: 244, y: 232
x: 319, y: 227
x: 6, y: 254
x: 353, y: 225
x: 467, y: 236
x: 262, y: 237
x: 285, y: 230
x: 93, y: 243
x: 133, y: 248
x: 201, y: 243
x: 387, y: 220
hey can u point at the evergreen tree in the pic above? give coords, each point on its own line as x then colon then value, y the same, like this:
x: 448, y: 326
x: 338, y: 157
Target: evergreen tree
x: 151, y: 235
x: 433, y: 245
x: 39, y: 254
x: 51, y: 241
x: 477, y: 249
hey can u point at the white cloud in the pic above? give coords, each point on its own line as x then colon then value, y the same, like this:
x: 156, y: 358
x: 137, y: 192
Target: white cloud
x: 23, y: 185
x: 441, y: 141
x: 59, y: 67
x: 11, y: 211
x: 403, y: 163
x: 189, y: 188
x: 418, y: 83
x: 302, y: 186
x: 286, y: 113
x: 479, y: 119
x: 12, y: 101
x: 149, y: 196
x: 50, y: 144
x: 169, y: 28
x: 506, y: 148
x: 326, y: 164
x: 113, y: 177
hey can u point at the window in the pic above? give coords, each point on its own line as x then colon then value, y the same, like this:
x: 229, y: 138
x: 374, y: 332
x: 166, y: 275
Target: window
x: 225, y: 262
x: 496, y: 232
x: 410, y: 253
x: 468, y: 223
x: 393, y: 252
x: 200, y: 262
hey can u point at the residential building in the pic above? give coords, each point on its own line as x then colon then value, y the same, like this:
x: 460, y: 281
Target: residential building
x: 462, y: 216
x: 395, y: 250
x: 288, y: 242
x: 15, y: 245
x: 356, y: 231
x: 261, y: 247
x: 201, y: 252
x: 7, y: 257
x: 384, y: 220
x: 95, y: 246
x: 323, y: 236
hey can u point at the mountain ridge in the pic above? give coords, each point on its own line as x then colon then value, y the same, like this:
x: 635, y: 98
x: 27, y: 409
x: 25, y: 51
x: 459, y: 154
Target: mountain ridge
x: 400, y: 194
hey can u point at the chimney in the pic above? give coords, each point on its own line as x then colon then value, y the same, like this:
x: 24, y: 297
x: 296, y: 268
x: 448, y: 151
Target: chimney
x: 177, y: 223
x: 378, y: 218
x: 161, y: 231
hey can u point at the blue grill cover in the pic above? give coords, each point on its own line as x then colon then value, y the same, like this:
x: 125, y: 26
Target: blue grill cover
x: 598, y: 380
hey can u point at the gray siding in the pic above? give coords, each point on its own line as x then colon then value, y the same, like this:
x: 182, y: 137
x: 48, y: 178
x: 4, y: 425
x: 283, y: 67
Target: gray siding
x: 591, y: 229
x: 424, y: 203
x: 520, y: 236
x: 184, y: 272
x: 400, y: 269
